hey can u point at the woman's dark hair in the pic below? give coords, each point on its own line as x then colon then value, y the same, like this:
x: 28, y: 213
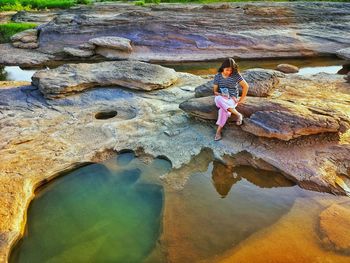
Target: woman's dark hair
x: 229, y: 62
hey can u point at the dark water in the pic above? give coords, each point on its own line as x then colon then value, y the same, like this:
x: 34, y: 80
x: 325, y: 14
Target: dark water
x: 120, y: 211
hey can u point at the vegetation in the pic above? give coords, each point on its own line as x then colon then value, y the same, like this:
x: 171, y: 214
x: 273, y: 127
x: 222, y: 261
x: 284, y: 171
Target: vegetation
x: 18, y: 5
x: 9, y: 29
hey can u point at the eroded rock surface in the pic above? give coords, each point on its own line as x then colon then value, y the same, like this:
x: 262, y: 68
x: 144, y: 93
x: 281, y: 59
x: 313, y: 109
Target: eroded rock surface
x: 173, y: 32
x: 73, y: 78
x: 42, y: 137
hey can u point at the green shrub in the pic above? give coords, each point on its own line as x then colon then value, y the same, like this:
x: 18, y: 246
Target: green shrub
x: 10, y: 29
x: 140, y: 3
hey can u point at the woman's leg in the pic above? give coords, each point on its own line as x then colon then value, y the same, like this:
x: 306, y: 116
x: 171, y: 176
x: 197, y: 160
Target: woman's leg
x: 237, y: 114
x: 223, y: 114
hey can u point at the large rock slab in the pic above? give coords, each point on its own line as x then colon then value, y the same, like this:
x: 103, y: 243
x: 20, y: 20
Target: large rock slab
x: 12, y: 56
x: 191, y: 33
x: 274, y: 118
x: 73, y: 78
x: 262, y: 83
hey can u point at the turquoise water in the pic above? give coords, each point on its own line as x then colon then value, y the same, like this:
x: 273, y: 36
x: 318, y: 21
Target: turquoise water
x: 98, y: 213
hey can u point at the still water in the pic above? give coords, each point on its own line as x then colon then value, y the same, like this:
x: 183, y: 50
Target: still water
x: 120, y: 211
x: 307, y: 66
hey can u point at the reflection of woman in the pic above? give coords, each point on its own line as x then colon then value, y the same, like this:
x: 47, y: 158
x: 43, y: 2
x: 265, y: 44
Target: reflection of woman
x: 225, y: 80
x: 223, y: 179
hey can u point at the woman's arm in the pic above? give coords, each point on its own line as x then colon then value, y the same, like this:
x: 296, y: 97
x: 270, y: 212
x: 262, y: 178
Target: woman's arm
x: 245, y: 88
x: 215, y: 89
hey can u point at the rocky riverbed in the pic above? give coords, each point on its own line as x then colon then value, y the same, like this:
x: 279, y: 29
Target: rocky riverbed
x: 81, y: 113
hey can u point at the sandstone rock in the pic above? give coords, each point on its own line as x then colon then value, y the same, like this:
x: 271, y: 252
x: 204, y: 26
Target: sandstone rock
x: 178, y: 33
x: 274, y: 118
x: 12, y: 56
x: 77, y: 52
x: 22, y: 45
x: 344, y: 53
x: 335, y: 225
x: 37, y: 17
x: 72, y: 78
x: 287, y: 68
x: 87, y: 46
x: 29, y: 35
x: 119, y: 43
x: 261, y: 83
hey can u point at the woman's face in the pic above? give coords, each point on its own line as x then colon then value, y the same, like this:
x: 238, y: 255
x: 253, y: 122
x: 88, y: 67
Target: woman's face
x: 227, y: 71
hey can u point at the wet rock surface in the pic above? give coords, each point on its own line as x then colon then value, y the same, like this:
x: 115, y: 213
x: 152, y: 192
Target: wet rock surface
x: 334, y: 226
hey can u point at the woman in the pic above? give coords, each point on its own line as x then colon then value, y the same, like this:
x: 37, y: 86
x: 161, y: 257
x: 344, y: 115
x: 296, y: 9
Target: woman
x: 225, y: 80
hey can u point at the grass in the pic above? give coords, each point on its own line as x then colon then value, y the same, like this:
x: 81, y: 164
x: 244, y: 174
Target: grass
x: 9, y: 29
x: 18, y: 5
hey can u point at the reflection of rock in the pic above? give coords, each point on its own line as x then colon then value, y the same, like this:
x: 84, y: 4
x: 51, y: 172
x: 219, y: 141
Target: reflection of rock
x: 72, y: 78
x: 287, y: 68
x: 335, y: 227
x: 261, y: 82
x: 275, y: 118
x: 223, y: 178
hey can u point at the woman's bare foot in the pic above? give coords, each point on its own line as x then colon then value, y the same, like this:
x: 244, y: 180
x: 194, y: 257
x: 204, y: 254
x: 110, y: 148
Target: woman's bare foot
x: 240, y: 119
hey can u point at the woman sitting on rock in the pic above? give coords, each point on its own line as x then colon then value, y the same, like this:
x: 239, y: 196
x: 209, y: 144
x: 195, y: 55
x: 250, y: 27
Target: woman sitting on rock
x: 226, y: 93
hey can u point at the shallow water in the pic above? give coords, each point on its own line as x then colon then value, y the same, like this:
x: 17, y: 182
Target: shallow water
x: 307, y: 66
x: 120, y: 211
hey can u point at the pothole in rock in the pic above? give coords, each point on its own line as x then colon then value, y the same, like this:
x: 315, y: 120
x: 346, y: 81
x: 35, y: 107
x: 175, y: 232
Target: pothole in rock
x: 104, y: 115
x: 121, y: 113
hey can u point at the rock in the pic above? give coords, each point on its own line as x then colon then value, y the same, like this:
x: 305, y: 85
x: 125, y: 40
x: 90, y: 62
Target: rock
x: 261, y: 83
x: 335, y: 225
x: 29, y: 35
x: 178, y: 33
x: 72, y: 78
x: 344, y: 53
x: 87, y: 46
x: 12, y: 56
x: 77, y: 52
x: 37, y: 17
x: 347, y: 77
x: 287, y: 68
x: 274, y: 118
x: 22, y: 45
x: 119, y: 43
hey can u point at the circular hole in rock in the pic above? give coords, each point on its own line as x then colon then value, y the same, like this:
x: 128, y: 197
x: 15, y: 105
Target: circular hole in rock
x: 104, y: 115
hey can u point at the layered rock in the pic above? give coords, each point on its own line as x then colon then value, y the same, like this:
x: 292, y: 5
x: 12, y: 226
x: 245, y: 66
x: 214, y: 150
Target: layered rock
x: 287, y: 68
x: 27, y: 39
x: 344, y: 53
x: 261, y: 82
x: 192, y: 33
x: 12, y: 56
x: 274, y: 118
x: 73, y: 78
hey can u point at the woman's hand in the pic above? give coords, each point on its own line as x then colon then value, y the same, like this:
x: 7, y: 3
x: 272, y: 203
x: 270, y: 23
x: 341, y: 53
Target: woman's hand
x: 241, y: 100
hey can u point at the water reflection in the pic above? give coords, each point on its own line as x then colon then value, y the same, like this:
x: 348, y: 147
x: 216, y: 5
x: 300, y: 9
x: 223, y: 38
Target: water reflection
x: 225, y: 176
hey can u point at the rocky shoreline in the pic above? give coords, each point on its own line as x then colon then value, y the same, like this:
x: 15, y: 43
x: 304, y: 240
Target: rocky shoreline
x: 81, y: 113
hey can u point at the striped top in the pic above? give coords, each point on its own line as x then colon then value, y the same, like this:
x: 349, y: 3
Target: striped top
x: 230, y: 83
